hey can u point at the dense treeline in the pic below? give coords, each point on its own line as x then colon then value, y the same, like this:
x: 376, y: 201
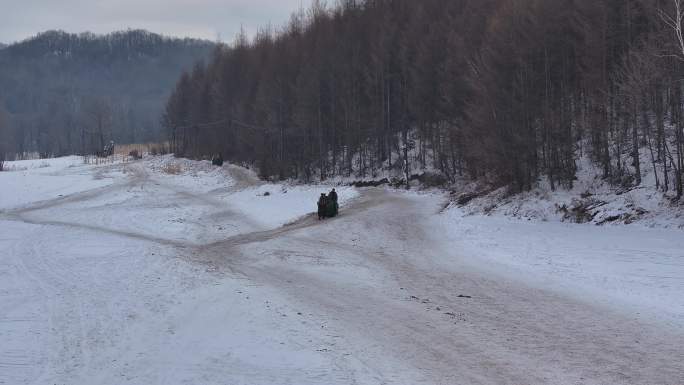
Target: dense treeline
x: 64, y: 93
x: 508, y: 90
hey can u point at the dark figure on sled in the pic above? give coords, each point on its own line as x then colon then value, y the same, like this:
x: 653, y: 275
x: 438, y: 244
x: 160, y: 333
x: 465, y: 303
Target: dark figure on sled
x: 327, y: 205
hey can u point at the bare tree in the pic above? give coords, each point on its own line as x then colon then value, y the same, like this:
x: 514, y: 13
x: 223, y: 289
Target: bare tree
x: 99, y: 119
x: 673, y: 19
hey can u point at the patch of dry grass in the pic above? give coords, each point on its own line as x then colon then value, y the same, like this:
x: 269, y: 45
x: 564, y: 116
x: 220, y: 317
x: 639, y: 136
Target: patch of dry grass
x: 172, y: 168
x: 142, y: 148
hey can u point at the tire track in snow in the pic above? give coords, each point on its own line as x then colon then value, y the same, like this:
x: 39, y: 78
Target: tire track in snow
x: 138, y: 179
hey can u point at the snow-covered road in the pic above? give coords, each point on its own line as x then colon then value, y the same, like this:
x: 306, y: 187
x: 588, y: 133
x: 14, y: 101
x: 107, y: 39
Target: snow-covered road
x: 140, y: 277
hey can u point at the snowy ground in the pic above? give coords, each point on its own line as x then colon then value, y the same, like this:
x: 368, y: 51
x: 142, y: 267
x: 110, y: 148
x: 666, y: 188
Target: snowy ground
x: 633, y: 269
x: 171, y: 271
x: 30, y: 181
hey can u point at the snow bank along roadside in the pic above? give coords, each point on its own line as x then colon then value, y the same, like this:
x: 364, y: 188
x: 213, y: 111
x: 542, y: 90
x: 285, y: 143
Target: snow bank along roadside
x: 633, y: 261
x: 590, y: 200
x: 633, y: 269
x: 268, y: 205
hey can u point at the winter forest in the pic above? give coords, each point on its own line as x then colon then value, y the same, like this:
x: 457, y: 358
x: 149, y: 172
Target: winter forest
x: 336, y: 192
x: 503, y: 91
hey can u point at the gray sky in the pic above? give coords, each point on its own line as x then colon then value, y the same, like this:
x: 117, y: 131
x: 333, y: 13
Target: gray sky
x: 206, y: 19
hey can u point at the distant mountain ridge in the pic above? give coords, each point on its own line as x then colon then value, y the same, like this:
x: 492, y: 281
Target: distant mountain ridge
x: 119, y: 44
x: 66, y: 93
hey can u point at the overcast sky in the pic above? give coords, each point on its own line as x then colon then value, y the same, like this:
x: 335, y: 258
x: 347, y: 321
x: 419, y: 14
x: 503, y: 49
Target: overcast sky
x: 206, y: 19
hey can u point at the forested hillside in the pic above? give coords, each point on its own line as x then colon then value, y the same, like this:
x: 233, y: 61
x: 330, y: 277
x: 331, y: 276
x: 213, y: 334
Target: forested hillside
x: 62, y: 93
x: 509, y: 91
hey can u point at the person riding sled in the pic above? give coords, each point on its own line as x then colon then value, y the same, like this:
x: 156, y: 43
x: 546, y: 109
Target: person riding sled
x: 327, y: 205
x: 333, y: 206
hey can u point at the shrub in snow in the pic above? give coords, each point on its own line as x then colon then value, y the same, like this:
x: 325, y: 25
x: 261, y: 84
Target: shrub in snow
x: 431, y: 179
x: 581, y: 210
x: 217, y: 160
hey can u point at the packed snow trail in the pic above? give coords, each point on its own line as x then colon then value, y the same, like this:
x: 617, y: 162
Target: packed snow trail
x: 376, y: 275
x: 145, y: 281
